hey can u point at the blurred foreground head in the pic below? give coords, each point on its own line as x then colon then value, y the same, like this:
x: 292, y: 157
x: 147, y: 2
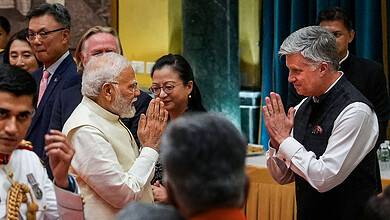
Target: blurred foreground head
x: 204, y: 158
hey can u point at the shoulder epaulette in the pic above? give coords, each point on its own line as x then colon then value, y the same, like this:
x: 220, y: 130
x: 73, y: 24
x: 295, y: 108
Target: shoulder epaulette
x: 25, y: 145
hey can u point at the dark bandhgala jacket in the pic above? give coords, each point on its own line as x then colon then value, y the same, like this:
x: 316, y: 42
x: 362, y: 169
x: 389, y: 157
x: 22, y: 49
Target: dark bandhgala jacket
x: 347, y: 200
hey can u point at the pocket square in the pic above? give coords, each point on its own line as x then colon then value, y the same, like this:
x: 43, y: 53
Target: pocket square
x: 317, y: 130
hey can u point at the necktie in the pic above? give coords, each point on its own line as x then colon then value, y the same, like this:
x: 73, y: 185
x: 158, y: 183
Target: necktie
x: 43, y: 84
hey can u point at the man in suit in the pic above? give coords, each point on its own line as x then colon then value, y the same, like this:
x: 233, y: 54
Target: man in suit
x: 95, y: 41
x: 366, y: 75
x: 49, y: 36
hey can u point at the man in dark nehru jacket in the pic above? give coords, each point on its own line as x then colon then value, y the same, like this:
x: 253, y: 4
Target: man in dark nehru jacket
x: 325, y: 143
x: 366, y: 75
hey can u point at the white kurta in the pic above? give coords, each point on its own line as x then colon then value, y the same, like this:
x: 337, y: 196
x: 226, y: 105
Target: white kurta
x: 109, y: 168
x: 24, y: 162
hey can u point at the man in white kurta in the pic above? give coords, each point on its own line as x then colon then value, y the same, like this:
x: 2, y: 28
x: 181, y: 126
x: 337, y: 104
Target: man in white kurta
x: 109, y: 168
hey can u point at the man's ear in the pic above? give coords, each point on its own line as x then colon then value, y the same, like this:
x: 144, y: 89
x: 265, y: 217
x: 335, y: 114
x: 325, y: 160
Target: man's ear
x: 107, y: 91
x: 324, y: 68
x: 66, y: 36
x: 351, y: 36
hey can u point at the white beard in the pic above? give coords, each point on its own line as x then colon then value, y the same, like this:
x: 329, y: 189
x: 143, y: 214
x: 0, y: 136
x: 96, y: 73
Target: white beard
x: 123, y: 107
x: 129, y: 113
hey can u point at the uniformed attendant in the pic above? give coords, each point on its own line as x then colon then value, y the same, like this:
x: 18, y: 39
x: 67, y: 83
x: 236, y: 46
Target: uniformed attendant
x: 26, y: 192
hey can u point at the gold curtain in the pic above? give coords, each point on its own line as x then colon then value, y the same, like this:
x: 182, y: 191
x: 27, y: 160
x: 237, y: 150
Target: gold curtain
x: 268, y: 200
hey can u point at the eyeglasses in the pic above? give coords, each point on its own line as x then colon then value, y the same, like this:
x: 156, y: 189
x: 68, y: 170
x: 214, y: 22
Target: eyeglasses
x: 133, y: 87
x: 167, y: 88
x: 41, y: 34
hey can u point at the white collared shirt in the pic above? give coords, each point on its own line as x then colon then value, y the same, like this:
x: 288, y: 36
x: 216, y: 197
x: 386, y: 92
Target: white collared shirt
x: 346, y: 56
x: 52, y: 68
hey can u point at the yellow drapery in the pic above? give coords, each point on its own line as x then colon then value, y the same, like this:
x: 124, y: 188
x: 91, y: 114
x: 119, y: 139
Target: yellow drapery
x: 269, y: 200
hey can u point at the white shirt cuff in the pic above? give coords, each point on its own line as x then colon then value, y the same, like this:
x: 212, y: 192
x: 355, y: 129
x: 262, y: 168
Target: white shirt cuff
x: 149, y: 152
x: 287, y: 149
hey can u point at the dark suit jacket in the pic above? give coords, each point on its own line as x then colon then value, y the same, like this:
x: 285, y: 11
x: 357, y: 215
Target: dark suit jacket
x: 64, y: 106
x: 64, y: 77
x: 368, y: 77
x: 71, y: 98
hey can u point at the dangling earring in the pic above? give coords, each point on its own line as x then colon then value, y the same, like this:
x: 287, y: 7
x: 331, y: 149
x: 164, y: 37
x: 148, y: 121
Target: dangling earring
x: 189, y: 96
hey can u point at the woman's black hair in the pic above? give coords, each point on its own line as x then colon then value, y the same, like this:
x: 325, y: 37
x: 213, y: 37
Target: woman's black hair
x: 179, y: 64
x: 22, y: 36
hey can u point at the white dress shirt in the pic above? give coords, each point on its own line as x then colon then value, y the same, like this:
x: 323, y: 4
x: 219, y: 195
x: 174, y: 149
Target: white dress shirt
x: 52, y: 68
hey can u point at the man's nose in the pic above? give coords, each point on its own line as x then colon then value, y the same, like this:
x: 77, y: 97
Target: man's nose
x: 35, y: 41
x: 11, y: 126
x: 137, y: 92
x: 290, y: 78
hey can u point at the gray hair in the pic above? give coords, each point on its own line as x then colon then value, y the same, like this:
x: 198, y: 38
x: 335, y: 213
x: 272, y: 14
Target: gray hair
x: 102, y: 69
x: 141, y: 211
x: 204, y: 151
x: 314, y: 43
x: 58, y: 11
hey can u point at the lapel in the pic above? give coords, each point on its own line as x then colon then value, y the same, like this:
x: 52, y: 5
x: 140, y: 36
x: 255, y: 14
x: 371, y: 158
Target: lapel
x: 59, y: 74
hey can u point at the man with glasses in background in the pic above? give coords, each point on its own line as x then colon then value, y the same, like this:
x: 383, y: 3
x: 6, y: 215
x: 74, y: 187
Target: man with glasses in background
x: 110, y: 169
x: 49, y: 36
